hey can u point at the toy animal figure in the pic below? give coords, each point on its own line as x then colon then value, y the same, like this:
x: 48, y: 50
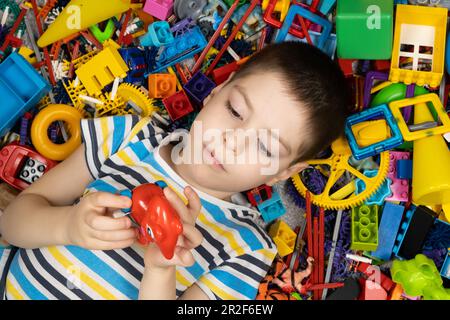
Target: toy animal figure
x: 156, y: 218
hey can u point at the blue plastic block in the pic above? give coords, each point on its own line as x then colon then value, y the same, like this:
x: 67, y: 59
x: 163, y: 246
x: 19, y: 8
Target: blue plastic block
x: 404, y: 169
x: 272, y: 209
x: 445, y: 270
x: 387, y: 232
x: 325, y: 6
x: 378, y: 197
x: 185, y: 46
x: 199, y: 87
x: 295, y: 10
x: 394, y: 141
x: 21, y: 88
x: 135, y: 60
x: 158, y: 35
x: 330, y: 44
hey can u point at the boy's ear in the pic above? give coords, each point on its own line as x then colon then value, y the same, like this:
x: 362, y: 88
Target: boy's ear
x: 287, y: 173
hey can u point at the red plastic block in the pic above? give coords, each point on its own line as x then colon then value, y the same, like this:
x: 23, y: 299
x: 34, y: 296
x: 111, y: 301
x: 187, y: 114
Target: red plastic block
x: 178, y: 105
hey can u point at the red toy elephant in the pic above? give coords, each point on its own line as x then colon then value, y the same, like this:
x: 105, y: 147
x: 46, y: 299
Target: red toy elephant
x: 156, y: 218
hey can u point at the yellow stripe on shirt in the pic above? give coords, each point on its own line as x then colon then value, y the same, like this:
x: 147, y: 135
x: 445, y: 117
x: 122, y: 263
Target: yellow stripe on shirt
x: 13, y: 291
x: 82, y: 275
x: 217, y: 291
x: 105, y: 132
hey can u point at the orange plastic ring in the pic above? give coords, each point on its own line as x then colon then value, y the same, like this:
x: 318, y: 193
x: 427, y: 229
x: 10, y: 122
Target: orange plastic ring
x: 39, y: 131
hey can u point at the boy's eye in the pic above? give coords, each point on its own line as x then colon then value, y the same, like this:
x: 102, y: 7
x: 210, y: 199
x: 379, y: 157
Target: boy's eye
x: 263, y: 148
x: 233, y: 112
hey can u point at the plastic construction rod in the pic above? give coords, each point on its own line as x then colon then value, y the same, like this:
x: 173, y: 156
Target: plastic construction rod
x: 337, y: 226
x: 215, y: 36
x: 232, y: 36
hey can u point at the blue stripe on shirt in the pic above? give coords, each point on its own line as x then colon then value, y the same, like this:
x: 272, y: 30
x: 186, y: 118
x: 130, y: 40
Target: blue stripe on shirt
x: 118, y: 133
x: 105, y: 271
x: 25, y: 285
x: 196, y: 270
x: 101, y: 185
x: 235, y: 283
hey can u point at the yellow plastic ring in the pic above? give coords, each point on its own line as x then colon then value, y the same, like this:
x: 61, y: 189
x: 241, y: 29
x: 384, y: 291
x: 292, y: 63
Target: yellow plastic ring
x: 39, y: 131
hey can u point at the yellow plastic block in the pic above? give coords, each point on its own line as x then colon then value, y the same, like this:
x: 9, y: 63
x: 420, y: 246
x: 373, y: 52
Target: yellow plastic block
x: 102, y: 69
x: 282, y: 6
x: 370, y: 132
x: 446, y: 209
x: 283, y: 236
x: 420, y: 102
x: 420, y: 35
x: 79, y: 15
x: 28, y: 54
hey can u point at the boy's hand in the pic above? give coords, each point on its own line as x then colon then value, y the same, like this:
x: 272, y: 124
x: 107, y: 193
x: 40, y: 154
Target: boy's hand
x: 90, y: 226
x: 188, y: 240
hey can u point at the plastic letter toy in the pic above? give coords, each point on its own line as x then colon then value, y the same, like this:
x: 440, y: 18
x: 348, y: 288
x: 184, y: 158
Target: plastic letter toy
x: 79, y: 15
x: 420, y: 277
x: 420, y: 35
x: 156, y: 218
x: 364, y: 29
x: 363, y: 151
x: 102, y: 69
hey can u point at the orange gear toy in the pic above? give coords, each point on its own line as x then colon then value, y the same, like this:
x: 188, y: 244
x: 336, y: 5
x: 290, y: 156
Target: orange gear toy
x: 339, y: 164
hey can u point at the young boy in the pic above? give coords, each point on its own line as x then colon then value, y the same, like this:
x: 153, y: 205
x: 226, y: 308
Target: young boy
x: 73, y: 248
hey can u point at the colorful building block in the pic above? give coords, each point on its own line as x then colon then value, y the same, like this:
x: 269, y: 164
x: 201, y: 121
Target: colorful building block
x: 419, y: 277
x: 135, y: 60
x: 162, y: 85
x: 272, y: 208
x: 387, y: 232
x: 364, y: 228
x: 185, y: 46
x: 445, y: 270
x: 160, y: 9
x: 158, y: 35
x: 178, y: 105
x: 399, y: 187
x: 364, y: 29
x: 199, y: 87
x: 297, y: 10
x: 259, y: 194
x: 364, y: 151
x: 283, y: 236
x: 423, y: 102
x: 404, y: 169
x: 413, y: 232
x: 102, y: 69
x: 380, y: 195
x: 420, y: 35
x: 21, y: 88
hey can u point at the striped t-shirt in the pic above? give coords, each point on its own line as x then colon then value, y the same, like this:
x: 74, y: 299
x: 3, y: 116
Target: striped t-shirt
x: 122, y: 152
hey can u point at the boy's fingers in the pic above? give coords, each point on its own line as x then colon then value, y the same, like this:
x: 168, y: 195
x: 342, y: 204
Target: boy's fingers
x: 177, y: 204
x: 185, y: 257
x: 117, y: 235
x: 192, y: 237
x: 105, y: 223
x: 112, y: 245
x: 194, y: 204
x: 108, y: 200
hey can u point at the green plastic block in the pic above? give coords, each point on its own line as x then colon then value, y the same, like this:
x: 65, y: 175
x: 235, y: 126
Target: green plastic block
x: 365, y: 228
x: 364, y: 29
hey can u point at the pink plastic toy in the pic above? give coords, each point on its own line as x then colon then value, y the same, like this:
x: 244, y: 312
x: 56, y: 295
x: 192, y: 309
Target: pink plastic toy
x: 399, y: 187
x: 160, y: 9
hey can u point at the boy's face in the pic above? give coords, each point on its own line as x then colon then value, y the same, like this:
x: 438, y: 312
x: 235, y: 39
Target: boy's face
x: 248, y: 133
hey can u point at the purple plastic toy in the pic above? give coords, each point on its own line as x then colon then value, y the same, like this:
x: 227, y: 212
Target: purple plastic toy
x: 399, y: 187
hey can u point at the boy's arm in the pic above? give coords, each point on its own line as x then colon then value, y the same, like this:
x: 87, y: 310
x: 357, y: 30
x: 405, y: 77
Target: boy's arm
x: 36, y: 218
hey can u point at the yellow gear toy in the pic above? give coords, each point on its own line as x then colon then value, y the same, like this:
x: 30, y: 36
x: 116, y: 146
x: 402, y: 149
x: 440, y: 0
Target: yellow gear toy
x: 338, y: 163
x: 110, y: 107
x: 129, y: 92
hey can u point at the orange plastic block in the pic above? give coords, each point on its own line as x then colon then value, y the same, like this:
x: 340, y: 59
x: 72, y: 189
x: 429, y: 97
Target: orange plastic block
x: 162, y: 85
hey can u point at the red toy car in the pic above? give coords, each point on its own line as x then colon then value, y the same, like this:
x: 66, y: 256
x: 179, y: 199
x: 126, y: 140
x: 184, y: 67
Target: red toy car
x: 156, y: 218
x: 20, y: 166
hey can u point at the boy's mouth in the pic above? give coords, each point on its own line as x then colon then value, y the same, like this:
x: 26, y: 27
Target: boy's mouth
x: 211, y: 159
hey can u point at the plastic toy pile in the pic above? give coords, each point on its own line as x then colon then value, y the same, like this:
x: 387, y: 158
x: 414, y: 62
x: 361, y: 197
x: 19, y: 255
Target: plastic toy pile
x: 377, y: 203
